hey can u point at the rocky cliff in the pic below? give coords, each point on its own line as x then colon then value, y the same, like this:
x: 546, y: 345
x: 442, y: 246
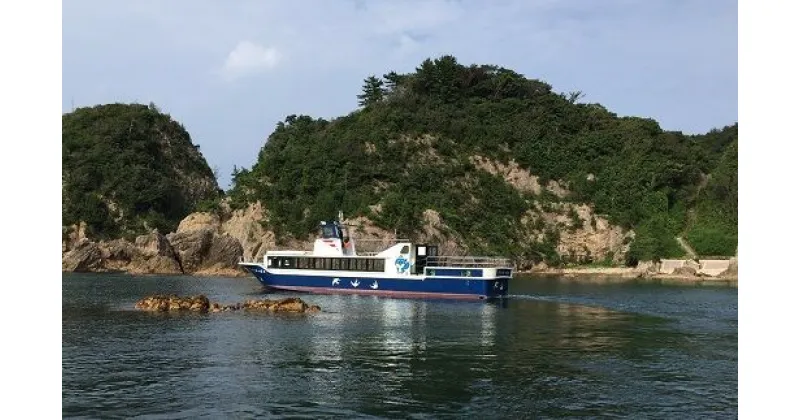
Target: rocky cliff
x: 197, y: 250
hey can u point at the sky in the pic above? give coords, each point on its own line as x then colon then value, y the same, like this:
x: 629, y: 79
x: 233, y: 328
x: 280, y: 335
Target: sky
x: 230, y: 71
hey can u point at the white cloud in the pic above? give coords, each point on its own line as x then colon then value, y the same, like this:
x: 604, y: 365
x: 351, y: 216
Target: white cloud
x: 248, y: 58
x: 406, y: 46
x: 395, y: 17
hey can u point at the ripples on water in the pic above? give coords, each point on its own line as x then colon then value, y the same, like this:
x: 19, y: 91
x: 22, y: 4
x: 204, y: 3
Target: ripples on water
x: 553, y: 349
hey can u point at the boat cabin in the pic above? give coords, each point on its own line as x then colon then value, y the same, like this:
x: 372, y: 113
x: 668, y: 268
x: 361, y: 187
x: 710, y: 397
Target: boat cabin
x: 334, y: 240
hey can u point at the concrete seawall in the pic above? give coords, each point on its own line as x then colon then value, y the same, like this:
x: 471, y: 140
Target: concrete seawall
x: 712, y: 268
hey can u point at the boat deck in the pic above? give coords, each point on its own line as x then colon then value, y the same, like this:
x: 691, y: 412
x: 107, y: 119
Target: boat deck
x: 466, y: 261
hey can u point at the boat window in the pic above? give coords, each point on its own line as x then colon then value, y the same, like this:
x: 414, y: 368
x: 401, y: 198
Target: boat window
x: 336, y: 263
x: 404, y: 250
x: 330, y: 232
x: 380, y: 265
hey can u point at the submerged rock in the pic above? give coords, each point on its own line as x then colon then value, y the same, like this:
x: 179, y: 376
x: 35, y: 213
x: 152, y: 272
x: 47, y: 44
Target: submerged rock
x: 163, y: 303
x: 295, y: 305
x: 200, y: 303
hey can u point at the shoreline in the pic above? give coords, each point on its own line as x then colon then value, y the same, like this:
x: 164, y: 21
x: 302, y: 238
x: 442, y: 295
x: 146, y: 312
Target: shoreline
x: 599, y: 275
x: 626, y: 274
x: 232, y: 273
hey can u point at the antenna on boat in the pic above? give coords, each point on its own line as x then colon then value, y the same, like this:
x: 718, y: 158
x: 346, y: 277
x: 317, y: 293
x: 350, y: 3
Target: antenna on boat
x: 344, y: 196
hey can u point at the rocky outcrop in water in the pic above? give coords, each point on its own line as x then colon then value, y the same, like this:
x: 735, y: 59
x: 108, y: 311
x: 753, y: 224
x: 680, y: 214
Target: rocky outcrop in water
x: 164, y: 303
x: 200, y: 303
x: 296, y: 305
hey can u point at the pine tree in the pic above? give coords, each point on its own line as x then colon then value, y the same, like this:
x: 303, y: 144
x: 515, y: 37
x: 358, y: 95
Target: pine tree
x: 373, y: 91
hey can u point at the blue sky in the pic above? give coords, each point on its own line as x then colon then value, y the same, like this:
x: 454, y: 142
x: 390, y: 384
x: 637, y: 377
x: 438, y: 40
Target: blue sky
x: 229, y: 71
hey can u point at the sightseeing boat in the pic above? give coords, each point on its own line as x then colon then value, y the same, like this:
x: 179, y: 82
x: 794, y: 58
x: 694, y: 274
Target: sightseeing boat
x: 403, y: 269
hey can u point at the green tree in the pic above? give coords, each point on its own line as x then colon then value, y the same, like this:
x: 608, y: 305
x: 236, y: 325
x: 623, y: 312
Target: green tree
x: 129, y: 168
x: 372, y: 91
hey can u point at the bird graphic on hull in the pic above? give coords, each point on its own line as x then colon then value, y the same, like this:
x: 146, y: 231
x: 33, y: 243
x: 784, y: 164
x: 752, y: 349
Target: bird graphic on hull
x: 335, y: 282
x: 374, y: 284
x: 355, y: 283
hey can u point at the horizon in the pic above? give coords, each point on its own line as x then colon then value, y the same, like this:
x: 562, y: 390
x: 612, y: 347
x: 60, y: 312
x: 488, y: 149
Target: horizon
x: 229, y: 81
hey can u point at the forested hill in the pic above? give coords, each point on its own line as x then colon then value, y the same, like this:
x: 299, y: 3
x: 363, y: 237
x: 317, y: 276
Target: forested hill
x: 128, y: 168
x: 450, y: 138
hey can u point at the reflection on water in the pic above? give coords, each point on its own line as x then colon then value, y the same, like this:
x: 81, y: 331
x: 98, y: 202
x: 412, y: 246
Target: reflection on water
x: 552, y: 349
x: 397, y: 335
x: 487, y: 325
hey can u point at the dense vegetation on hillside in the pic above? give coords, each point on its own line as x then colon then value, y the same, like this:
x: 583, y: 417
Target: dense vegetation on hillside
x: 128, y: 168
x: 713, y: 223
x: 409, y: 146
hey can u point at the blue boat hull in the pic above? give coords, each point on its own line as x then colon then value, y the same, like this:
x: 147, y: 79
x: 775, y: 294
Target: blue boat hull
x: 348, y: 283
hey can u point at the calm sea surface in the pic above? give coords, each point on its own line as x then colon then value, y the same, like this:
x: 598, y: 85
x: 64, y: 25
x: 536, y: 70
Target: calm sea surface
x: 555, y: 348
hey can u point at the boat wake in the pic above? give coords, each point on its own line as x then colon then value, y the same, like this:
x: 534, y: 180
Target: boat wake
x: 543, y: 298
x: 624, y: 308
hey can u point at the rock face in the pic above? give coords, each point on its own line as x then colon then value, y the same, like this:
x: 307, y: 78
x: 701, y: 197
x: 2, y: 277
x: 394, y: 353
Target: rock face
x: 245, y: 226
x: 155, y: 255
x: 733, y: 268
x: 200, y: 303
x: 202, y: 248
x: 71, y: 235
x: 85, y: 256
x: 191, y: 247
x: 150, y: 254
x: 196, y: 249
x: 198, y: 221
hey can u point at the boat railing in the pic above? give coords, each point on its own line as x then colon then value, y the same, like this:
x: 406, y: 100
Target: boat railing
x: 382, y: 241
x: 467, y: 261
x: 371, y: 247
